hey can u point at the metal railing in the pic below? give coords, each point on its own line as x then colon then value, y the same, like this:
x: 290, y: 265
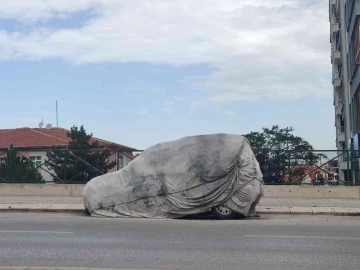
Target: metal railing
x: 340, y: 102
x: 341, y: 130
x: 313, y: 167
x: 279, y: 167
x: 335, y: 47
x: 67, y: 166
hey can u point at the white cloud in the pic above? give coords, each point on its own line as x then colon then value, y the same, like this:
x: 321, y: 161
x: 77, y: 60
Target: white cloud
x: 36, y: 10
x: 180, y: 98
x: 257, y: 48
x: 228, y: 112
x: 167, y: 110
x: 142, y: 112
x: 196, y: 104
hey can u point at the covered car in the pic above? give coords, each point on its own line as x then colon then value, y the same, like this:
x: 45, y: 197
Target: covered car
x: 179, y: 178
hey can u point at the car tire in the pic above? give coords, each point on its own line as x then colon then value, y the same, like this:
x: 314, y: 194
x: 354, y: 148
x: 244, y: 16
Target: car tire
x: 222, y: 212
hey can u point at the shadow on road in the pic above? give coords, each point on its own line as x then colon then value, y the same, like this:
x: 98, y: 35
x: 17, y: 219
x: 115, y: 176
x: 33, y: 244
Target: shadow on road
x: 203, y: 216
x: 210, y: 216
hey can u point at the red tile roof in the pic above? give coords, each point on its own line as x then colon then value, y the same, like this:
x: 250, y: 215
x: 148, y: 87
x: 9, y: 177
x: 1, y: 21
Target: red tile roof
x: 308, y: 170
x: 44, y: 138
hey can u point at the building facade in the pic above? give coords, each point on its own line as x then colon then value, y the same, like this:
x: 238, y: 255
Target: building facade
x: 345, y: 59
x: 352, y: 24
x: 34, y: 143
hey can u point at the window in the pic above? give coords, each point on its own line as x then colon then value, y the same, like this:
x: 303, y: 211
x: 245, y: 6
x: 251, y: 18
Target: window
x: 36, y: 161
x: 357, y: 110
x: 356, y: 42
x: 341, y: 95
x: 353, y: 118
x: 121, y: 162
x: 347, y: 13
x: 2, y: 160
x: 349, y: 7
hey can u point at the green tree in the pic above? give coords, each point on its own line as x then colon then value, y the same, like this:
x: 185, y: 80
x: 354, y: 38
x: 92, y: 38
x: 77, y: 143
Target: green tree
x: 281, y: 154
x: 82, y: 161
x: 18, y: 169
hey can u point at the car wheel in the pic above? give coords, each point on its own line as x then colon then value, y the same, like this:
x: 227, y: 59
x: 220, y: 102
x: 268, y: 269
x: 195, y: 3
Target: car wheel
x: 223, y: 212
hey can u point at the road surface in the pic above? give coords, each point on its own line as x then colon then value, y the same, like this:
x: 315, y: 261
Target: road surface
x: 271, y: 242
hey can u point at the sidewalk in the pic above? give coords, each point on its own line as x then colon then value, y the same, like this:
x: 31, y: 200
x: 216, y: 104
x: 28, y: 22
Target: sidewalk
x: 287, y: 206
x: 299, y: 206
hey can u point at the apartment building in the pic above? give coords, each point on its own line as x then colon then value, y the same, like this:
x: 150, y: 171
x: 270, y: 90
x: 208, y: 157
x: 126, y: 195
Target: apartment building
x: 352, y: 24
x: 345, y: 57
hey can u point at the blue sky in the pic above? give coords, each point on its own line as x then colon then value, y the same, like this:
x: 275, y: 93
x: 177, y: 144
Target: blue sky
x: 164, y: 74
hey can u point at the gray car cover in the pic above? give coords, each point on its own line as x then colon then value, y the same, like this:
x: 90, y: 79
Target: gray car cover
x: 179, y: 178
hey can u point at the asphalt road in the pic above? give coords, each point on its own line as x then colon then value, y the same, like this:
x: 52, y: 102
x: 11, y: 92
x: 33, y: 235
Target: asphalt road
x: 271, y: 242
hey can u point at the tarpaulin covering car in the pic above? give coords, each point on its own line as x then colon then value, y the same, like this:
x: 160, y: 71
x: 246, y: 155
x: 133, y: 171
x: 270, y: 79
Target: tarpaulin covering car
x: 179, y: 178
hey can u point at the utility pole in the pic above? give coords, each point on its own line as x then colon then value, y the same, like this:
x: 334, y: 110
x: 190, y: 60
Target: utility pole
x: 57, y: 115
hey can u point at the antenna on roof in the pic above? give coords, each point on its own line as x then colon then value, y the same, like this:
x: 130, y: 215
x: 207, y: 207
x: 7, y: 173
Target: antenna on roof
x: 41, y: 124
x: 48, y: 126
x: 57, y: 115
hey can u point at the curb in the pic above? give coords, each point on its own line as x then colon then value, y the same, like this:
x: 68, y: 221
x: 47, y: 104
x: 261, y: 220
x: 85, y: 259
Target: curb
x: 79, y: 208
x: 51, y: 268
x: 42, y: 208
x: 311, y: 211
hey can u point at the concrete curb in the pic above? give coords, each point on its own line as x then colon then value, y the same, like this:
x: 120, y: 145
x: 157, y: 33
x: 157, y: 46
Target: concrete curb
x: 336, y: 211
x: 42, y: 208
x: 54, y: 268
x: 312, y: 211
x: 61, y: 268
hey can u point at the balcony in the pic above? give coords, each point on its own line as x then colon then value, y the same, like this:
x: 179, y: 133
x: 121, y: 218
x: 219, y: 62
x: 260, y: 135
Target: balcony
x: 343, y: 162
x: 336, y: 79
x: 341, y: 134
x: 337, y: 56
x: 334, y: 6
x: 335, y: 26
x: 339, y: 106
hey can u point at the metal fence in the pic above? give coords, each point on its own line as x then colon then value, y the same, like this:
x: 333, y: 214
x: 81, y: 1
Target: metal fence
x: 66, y: 166
x: 315, y: 167
x: 318, y: 167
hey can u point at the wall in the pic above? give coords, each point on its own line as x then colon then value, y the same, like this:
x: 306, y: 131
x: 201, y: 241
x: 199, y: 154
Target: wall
x: 45, y: 174
x: 47, y: 177
x: 312, y: 192
x: 124, y: 155
x: 270, y: 191
x: 54, y: 190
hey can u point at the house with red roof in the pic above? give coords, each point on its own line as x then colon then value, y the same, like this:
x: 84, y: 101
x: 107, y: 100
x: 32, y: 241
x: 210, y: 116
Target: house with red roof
x: 34, y: 143
x: 307, y: 174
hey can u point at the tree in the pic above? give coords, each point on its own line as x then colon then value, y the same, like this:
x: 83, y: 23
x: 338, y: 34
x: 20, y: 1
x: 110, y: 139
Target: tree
x: 18, y: 169
x: 281, y: 155
x: 82, y: 161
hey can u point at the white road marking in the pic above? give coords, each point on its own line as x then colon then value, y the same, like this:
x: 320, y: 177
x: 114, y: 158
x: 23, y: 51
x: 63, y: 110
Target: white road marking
x: 303, y: 237
x: 54, y: 232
